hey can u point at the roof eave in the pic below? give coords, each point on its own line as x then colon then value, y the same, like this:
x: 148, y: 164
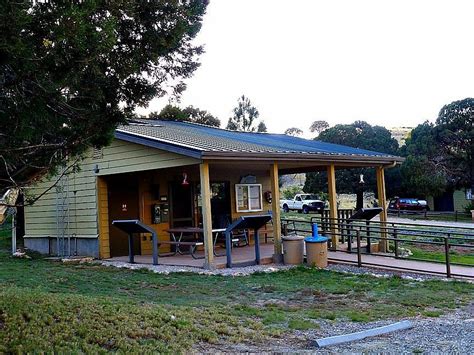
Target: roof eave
x: 153, y: 143
x: 307, y: 157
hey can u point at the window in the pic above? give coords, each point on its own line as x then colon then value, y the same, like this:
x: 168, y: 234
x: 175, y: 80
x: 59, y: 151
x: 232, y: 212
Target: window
x: 248, y: 197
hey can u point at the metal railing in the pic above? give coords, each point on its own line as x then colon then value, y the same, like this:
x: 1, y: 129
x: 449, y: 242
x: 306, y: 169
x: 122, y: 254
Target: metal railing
x: 435, y: 244
x: 455, y: 216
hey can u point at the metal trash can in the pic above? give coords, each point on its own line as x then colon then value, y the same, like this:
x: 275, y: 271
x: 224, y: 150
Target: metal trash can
x: 293, y: 249
x: 317, y: 251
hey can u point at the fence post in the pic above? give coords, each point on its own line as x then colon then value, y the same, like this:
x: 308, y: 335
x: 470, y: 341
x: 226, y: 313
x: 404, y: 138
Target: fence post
x: 368, y: 236
x: 349, y: 237
x: 446, y: 251
x: 395, y: 242
x: 359, y: 256
x: 456, y: 216
x: 284, y: 229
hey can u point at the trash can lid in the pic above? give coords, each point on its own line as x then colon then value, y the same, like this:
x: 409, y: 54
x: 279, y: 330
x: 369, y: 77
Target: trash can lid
x: 318, y: 239
x: 292, y: 237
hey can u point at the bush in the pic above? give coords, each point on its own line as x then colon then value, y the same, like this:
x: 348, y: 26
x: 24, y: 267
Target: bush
x: 469, y: 207
x: 290, y: 192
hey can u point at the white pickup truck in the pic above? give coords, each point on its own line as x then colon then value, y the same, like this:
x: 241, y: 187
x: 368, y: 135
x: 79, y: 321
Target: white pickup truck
x: 303, y: 203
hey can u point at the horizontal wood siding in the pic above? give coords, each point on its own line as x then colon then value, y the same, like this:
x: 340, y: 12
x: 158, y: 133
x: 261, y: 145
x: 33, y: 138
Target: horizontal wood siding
x: 88, y: 192
x: 103, y: 202
x: 122, y: 157
x: 460, y: 202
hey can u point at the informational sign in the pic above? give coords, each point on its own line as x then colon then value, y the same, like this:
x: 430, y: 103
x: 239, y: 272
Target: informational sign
x: 468, y: 194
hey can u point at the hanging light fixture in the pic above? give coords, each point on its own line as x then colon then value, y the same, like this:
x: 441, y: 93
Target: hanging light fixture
x: 185, y: 180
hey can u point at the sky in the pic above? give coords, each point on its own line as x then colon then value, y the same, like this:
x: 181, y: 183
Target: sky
x: 390, y: 63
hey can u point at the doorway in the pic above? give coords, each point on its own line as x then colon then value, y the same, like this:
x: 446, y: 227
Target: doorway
x: 123, y: 204
x: 181, y: 205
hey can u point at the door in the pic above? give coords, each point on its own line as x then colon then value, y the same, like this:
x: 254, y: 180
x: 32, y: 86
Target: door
x: 123, y: 204
x: 220, y: 204
x: 181, y: 205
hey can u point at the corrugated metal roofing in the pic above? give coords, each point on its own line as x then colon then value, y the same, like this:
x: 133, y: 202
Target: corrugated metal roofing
x: 203, y: 139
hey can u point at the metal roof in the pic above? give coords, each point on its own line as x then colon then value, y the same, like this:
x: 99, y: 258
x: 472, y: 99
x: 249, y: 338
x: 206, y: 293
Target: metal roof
x: 209, y: 142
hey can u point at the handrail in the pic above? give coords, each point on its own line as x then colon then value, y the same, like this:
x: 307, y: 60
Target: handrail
x: 389, y: 232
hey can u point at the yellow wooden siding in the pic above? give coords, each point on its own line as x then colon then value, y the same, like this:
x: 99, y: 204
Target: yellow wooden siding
x: 103, y: 203
x: 460, y: 202
x: 119, y: 157
x: 40, y: 218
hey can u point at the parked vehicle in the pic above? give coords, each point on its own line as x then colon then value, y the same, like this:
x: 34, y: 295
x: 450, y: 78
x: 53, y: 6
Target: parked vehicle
x: 408, y: 204
x: 303, y: 203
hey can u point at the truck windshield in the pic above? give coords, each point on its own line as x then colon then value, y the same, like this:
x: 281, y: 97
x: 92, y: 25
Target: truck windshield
x: 310, y: 197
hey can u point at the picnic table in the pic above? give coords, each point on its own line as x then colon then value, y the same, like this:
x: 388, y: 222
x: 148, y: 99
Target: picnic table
x: 197, y: 233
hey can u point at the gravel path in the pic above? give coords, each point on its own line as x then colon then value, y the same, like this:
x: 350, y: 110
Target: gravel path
x: 449, y: 334
x: 167, y: 269
x: 248, y: 270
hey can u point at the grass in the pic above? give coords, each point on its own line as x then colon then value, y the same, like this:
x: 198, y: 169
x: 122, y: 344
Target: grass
x: 53, y: 307
x: 454, y: 257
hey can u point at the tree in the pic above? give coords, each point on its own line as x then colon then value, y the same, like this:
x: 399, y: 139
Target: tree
x: 318, y: 126
x: 245, y: 117
x: 455, y: 136
x: 359, y: 134
x: 421, y: 174
x: 70, y: 72
x: 293, y: 131
x: 188, y: 114
x: 440, y: 156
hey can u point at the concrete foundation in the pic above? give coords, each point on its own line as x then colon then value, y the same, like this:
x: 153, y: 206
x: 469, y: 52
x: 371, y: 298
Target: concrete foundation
x: 72, y: 246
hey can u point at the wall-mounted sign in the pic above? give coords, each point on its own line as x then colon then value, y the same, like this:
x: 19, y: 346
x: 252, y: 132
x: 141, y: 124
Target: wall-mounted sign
x: 468, y: 194
x: 248, y: 197
x: 248, y: 179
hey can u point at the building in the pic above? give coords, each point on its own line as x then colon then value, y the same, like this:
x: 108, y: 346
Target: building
x: 172, y: 174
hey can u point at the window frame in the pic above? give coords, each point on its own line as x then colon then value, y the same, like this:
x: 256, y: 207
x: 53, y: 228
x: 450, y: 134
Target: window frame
x: 237, y: 186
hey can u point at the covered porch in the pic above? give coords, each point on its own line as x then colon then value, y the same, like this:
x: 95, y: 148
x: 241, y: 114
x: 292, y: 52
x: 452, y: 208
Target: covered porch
x: 187, y: 197
x: 221, y: 176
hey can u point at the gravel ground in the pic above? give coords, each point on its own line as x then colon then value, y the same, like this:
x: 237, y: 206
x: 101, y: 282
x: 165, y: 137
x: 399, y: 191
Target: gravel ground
x: 449, y: 334
x: 167, y: 269
x: 248, y: 270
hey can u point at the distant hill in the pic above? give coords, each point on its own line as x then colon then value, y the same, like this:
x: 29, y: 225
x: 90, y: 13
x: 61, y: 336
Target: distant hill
x: 400, y: 134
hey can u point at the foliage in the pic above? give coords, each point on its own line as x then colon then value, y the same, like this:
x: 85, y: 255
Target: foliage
x: 318, y: 126
x: 362, y: 135
x: 245, y: 117
x: 290, y: 192
x: 469, y: 207
x: 455, y: 138
x: 71, y: 71
x: 188, y: 114
x: 293, y: 131
x: 440, y: 156
x: 420, y: 173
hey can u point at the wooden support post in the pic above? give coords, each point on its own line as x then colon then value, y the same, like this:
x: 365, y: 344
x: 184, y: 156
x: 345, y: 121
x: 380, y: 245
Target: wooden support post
x: 206, y: 215
x: 383, y: 244
x: 333, y: 206
x: 277, y: 256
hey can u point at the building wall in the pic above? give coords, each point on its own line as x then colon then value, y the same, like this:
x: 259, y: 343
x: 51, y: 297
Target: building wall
x: 82, y: 193
x: 460, y: 202
x: 164, y: 178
